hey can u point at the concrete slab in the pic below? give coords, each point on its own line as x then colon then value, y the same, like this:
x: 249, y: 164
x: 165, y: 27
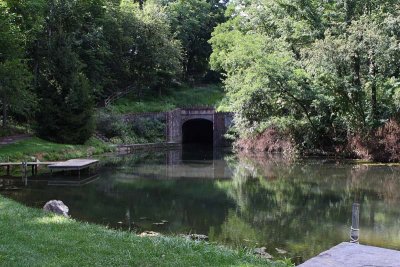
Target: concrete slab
x: 354, y: 255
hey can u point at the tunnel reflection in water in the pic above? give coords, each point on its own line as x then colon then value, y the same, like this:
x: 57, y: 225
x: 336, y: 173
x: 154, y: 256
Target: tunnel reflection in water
x: 197, y: 131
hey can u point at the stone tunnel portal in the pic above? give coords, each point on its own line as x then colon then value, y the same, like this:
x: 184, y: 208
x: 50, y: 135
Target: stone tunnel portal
x: 200, y: 131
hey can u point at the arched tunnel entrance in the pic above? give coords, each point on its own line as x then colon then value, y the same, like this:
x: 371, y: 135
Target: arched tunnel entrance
x: 198, y: 131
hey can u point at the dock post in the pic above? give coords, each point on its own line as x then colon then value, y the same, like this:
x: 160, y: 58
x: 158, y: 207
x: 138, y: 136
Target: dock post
x: 24, y: 170
x: 355, y: 223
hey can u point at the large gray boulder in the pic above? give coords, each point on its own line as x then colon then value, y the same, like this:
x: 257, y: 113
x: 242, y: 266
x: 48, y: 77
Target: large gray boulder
x: 56, y: 206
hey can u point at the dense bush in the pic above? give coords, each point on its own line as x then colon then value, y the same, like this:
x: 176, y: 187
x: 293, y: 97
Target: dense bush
x: 140, y: 130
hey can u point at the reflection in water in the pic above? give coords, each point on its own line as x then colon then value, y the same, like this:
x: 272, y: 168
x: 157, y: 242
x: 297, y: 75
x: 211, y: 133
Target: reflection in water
x: 240, y: 200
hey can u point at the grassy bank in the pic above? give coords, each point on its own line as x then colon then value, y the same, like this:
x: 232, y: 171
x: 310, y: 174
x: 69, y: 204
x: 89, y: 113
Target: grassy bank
x: 29, y: 237
x: 36, y: 148
x: 207, y: 95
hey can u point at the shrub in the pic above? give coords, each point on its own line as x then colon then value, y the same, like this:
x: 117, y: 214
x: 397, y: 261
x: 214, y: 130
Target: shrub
x: 141, y: 130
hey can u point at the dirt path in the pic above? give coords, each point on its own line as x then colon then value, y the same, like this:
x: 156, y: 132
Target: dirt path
x: 13, y: 138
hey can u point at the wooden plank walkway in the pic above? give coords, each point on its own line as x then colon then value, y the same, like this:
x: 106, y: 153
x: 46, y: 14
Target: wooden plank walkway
x: 355, y: 255
x: 69, y: 165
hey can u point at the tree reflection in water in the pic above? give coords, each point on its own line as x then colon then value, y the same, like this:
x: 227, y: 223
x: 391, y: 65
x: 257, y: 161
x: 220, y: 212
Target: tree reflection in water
x: 305, y: 206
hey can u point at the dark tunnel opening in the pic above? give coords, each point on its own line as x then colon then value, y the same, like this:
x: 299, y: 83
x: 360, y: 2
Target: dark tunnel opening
x: 198, y: 131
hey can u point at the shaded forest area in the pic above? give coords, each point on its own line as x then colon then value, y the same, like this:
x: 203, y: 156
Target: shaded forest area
x: 60, y: 59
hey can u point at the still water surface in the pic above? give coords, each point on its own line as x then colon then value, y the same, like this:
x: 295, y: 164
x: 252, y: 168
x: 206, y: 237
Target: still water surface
x: 303, y: 207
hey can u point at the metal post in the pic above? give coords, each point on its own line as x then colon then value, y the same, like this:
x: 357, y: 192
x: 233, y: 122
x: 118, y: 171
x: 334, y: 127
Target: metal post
x: 355, y: 223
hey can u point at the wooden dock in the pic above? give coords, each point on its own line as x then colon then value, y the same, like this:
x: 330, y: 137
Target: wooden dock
x: 355, y: 255
x: 73, y: 165
x: 69, y: 165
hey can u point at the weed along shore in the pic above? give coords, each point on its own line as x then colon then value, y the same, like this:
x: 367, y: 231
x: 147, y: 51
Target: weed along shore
x: 31, y: 237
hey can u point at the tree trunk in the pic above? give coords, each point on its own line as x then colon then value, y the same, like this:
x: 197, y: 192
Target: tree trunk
x: 4, y: 113
x: 372, y: 74
x: 357, y: 97
x: 36, y: 65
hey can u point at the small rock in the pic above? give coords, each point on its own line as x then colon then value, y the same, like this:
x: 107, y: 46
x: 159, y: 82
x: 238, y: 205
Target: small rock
x: 262, y: 252
x: 281, y: 251
x: 120, y: 222
x: 197, y: 237
x: 160, y: 223
x: 56, y: 206
x: 164, y: 221
x: 149, y: 234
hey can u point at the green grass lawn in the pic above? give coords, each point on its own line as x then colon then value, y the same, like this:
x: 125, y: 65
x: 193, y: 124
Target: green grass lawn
x: 209, y: 95
x: 30, y: 237
x: 34, y: 147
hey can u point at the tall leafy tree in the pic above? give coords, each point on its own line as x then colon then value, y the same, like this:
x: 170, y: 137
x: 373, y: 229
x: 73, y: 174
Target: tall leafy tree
x: 15, y: 90
x: 318, y: 70
x: 192, y: 21
x: 66, y: 104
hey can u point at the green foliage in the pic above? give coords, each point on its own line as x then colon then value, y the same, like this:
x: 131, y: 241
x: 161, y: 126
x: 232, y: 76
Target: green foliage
x: 140, y: 130
x: 192, y: 21
x: 79, y: 53
x: 326, y: 68
x: 15, y: 91
x: 66, y: 104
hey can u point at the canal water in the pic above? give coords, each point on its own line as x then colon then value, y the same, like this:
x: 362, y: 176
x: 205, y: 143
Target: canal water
x: 302, y: 207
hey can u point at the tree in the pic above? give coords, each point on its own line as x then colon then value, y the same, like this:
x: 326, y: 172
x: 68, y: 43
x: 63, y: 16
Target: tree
x: 65, y: 96
x: 153, y: 56
x: 318, y: 70
x: 192, y: 21
x: 15, y: 93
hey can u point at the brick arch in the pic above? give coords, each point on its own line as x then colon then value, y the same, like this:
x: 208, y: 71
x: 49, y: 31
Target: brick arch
x: 199, y: 117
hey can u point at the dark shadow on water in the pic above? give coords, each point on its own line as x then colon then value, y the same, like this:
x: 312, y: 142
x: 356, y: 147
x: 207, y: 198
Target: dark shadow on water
x: 191, y: 152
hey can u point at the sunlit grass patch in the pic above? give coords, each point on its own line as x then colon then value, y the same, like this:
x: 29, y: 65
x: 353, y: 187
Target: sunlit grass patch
x: 36, y: 238
x: 209, y: 95
x: 35, y: 148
